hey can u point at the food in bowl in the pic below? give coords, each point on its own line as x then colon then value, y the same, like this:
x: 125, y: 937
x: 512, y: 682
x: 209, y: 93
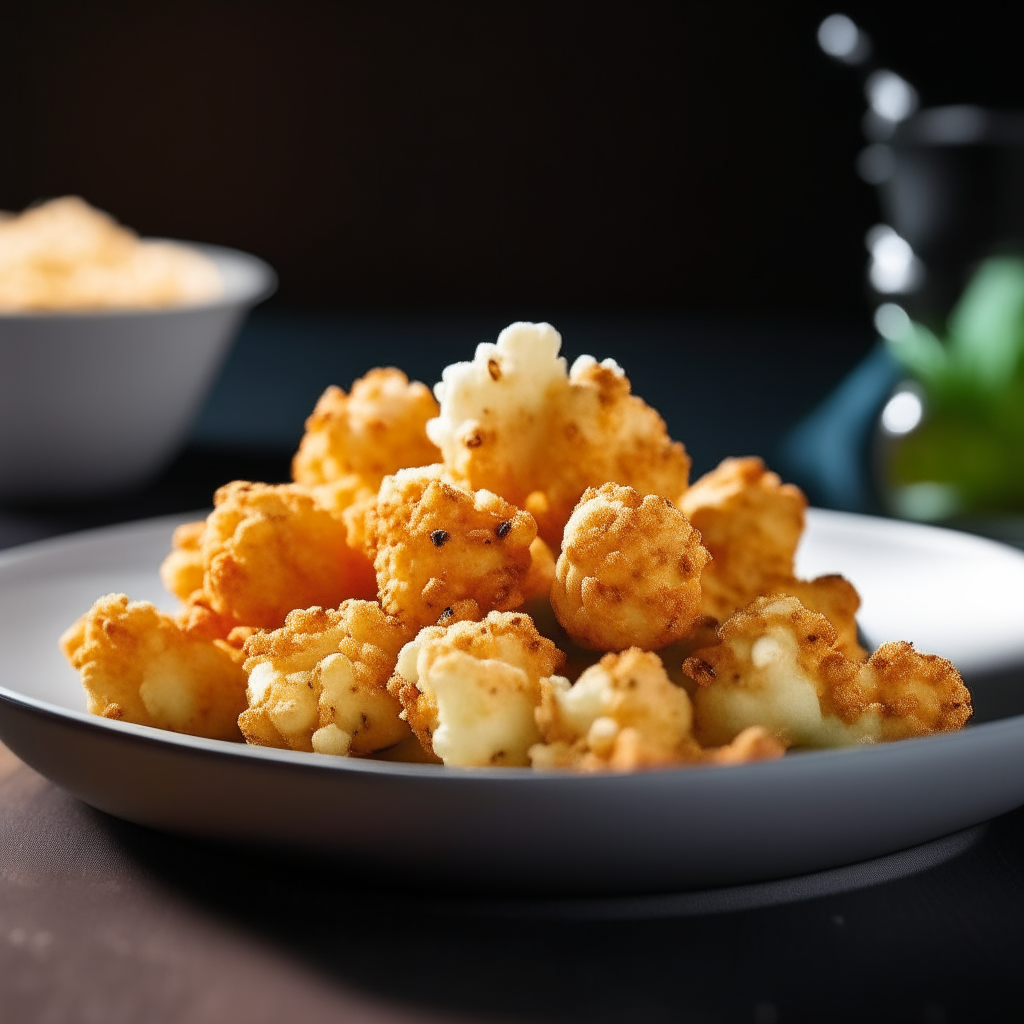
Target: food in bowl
x: 65, y: 255
x: 515, y: 574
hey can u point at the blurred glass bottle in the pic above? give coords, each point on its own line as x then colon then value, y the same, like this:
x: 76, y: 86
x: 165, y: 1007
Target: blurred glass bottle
x: 950, y: 181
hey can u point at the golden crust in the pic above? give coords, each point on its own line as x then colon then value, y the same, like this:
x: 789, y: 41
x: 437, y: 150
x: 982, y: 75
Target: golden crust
x: 438, y: 544
x: 182, y: 570
x: 624, y: 714
x: 351, y: 500
x: 137, y: 665
x: 541, y: 574
x: 751, y: 523
x: 320, y: 682
x: 269, y: 549
x: 778, y: 665
x: 377, y: 429
x: 629, y: 572
x: 468, y: 691
x: 834, y: 597
x: 515, y: 422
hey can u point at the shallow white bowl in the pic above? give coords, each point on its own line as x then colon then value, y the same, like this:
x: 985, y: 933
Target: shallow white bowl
x: 512, y: 828
x: 97, y: 401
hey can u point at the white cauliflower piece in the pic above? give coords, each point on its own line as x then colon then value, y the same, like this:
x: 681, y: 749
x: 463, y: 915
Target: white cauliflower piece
x: 625, y: 714
x: 320, y: 682
x: 779, y: 665
x: 469, y: 690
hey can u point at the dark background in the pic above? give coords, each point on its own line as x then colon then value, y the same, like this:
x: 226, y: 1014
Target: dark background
x: 648, y: 155
x: 669, y: 184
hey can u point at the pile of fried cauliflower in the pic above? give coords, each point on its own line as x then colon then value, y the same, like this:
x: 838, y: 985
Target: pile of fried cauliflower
x: 514, y: 574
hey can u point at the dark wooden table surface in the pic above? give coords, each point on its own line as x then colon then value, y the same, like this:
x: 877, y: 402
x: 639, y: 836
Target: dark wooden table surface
x: 107, y: 922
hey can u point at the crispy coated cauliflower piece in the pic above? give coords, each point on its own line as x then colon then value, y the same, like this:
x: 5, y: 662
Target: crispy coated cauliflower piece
x: 469, y: 690
x: 624, y: 714
x: 515, y: 422
x: 182, y: 570
x: 137, y: 665
x: 629, y: 571
x: 438, y: 545
x: 751, y: 523
x: 377, y: 429
x: 777, y: 664
x: 269, y: 549
x: 320, y: 682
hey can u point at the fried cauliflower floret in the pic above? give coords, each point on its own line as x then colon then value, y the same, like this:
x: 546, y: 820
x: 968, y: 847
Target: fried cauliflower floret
x: 438, y: 544
x: 182, y: 570
x: 137, y: 665
x: 269, y: 549
x: 377, y: 429
x: 629, y: 571
x: 515, y: 422
x: 320, y: 682
x: 469, y: 690
x: 624, y: 714
x: 777, y: 665
x: 751, y: 523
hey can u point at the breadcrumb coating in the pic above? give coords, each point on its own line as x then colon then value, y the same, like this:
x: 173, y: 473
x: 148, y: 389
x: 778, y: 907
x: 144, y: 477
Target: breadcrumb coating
x: 269, y: 549
x: 777, y: 664
x: 834, y: 597
x: 438, y: 544
x: 377, y: 429
x: 751, y: 523
x: 469, y: 690
x: 320, y: 682
x: 182, y: 570
x: 629, y: 571
x: 515, y: 422
x: 137, y: 665
x: 624, y: 714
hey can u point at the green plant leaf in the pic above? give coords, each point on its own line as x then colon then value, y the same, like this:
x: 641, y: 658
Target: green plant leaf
x: 986, y: 329
x: 922, y: 354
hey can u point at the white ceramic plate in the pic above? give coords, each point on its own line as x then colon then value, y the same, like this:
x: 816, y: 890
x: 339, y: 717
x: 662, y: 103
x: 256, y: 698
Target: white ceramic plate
x: 953, y: 594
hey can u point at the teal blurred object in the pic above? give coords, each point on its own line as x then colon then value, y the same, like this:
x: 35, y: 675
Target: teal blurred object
x: 829, y: 452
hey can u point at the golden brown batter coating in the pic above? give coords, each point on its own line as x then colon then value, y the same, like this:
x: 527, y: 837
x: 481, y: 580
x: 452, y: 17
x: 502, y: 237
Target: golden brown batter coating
x: 751, y: 523
x: 182, y: 570
x: 629, y: 572
x: 137, y: 665
x: 515, y: 422
x: 624, y: 714
x: 438, y: 544
x: 269, y: 549
x: 377, y: 429
x: 469, y: 690
x: 777, y: 664
x: 541, y: 574
x: 320, y: 682
x: 835, y: 598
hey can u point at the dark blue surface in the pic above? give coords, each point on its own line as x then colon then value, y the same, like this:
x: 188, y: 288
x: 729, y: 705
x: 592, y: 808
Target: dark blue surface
x: 726, y: 386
